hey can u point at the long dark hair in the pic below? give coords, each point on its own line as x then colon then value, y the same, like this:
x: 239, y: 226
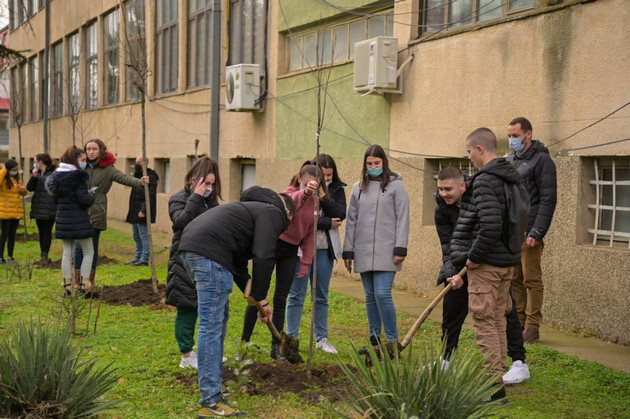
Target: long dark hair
x: 375, y: 150
x: 10, y: 164
x: 310, y: 168
x: 327, y: 162
x: 47, y: 160
x: 71, y: 156
x: 202, y: 168
x: 101, y: 146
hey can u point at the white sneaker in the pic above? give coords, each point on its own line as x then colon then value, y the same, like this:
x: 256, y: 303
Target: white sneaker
x: 517, y: 373
x: 324, y: 345
x: 189, y: 361
x: 224, y: 360
x: 445, y: 364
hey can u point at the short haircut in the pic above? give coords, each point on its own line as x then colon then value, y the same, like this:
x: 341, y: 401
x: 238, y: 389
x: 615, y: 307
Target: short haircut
x: 525, y: 124
x: 450, y: 172
x: 483, y: 137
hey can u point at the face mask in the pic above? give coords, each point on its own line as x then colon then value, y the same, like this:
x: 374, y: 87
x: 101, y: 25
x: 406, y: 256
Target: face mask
x: 34, y: 165
x: 515, y: 144
x: 328, y: 182
x: 83, y: 165
x: 375, y: 172
x: 302, y: 187
x: 207, y: 193
x: 13, y: 172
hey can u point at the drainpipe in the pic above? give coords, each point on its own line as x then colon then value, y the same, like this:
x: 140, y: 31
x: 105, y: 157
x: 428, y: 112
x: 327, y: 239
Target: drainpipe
x: 45, y: 82
x: 215, y: 85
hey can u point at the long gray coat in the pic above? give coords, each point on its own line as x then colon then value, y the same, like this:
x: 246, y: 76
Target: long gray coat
x: 377, y: 226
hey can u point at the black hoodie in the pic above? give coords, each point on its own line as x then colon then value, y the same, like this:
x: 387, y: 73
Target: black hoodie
x: 234, y: 233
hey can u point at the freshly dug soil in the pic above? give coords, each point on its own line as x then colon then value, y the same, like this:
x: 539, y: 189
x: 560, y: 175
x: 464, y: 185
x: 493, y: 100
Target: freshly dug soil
x: 137, y: 294
x: 327, y: 381
x: 56, y: 264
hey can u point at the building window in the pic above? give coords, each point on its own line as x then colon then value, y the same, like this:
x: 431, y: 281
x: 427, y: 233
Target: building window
x: 110, y: 31
x: 34, y: 6
x: 166, y: 46
x: 33, y: 65
x: 56, y: 73
x: 437, y: 15
x: 609, y: 203
x: 199, y: 43
x: 17, y: 105
x: 163, y: 169
x: 136, y: 64
x: 74, y: 90
x: 18, y: 10
x: 336, y: 43
x: 248, y: 34
x: 91, y: 66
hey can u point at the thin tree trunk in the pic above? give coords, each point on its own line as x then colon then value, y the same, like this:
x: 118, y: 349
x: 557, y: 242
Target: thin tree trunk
x: 147, y: 197
x: 21, y: 177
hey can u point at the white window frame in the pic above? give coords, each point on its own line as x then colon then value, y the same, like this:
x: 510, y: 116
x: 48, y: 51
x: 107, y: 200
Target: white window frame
x: 91, y: 65
x: 34, y: 90
x: 199, y: 53
x: 56, y: 72
x: 111, y: 56
x: 248, y: 32
x: 167, y: 46
x: 135, y: 45
x: 74, y: 74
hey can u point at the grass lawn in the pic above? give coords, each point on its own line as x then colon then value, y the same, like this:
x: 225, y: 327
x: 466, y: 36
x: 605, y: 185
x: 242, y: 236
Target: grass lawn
x: 139, y: 342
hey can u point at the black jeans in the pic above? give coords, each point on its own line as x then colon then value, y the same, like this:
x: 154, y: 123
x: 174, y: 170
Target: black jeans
x: 78, y: 252
x: 8, y: 228
x: 454, y: 312
x: 45, y: 234
x: 286, y: 267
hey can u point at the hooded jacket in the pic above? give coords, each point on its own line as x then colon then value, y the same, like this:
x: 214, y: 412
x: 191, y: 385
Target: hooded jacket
x: 136, y: 197
x: 300, y: 231
x: 10, y: 202
x: 236, y: 232
x: 102, y: 174
x: 478, y: 235
x: 183, y: 207
x: 73, y: 201
x: 333, y: 207
x: 377, y: 225
x: 43, y: 204
x: 538, y: 172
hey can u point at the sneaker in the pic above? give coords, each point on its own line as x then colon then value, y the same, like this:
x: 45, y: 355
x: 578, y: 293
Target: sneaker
x: 518, y: 372
x: 140, y: 263
x: 224, y: 360
x: 445, y: 364
x: 499, y: 397
x: 220, y: 409
x: 131, y: 262
x: 189, y: 361
x: 324, y: 345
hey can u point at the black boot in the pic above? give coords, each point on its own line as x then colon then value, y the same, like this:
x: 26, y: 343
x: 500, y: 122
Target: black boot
x: 375, y: 340
x: 275, y: 352
x: 499, y: 397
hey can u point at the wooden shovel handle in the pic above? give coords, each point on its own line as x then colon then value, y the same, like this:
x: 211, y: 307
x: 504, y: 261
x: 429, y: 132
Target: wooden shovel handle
x: 263, y: 314
x: 427, y: 311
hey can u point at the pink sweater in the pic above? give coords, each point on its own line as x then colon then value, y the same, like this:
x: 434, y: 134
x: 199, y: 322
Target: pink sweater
x: 300, y: 231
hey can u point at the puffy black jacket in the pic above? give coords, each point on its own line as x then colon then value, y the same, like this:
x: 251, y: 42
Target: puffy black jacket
x: 43, y: 204
x: 478, y: 235
x: 183, y: 207
x: 136, y: 197
x: 538, y: 172
x: 234, y: 233
x: 333, y: 207
x: 73, y: 200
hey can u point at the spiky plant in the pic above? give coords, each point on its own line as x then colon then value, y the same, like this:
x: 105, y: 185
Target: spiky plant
x: 411, y: 386
x: 43, y: 375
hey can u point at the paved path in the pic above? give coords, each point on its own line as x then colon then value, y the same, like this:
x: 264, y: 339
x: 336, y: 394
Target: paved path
x: 609, y: 354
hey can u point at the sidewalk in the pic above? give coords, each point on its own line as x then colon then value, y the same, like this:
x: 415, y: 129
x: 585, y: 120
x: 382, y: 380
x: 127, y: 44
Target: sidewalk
x: 593, y: 349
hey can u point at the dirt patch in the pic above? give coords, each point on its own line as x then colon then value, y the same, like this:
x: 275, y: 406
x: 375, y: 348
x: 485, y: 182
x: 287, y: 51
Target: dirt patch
x: 56, y: 264
x: 21, y: 237
x: 138, y: 293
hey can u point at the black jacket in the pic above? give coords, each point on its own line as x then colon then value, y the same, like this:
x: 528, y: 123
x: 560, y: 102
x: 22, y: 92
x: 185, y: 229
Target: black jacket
x: 333, y: 207
x: 183, y: 207
x: 73, y: 200
x: 234, y: 233
x: 136, y: 197
x: 538, y: 172
x: 43, y: 204
x: 478, y: 235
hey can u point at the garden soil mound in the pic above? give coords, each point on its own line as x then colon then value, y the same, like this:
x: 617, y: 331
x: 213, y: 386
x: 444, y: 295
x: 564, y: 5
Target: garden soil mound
x: 138, y: 293
x: 327, y: 381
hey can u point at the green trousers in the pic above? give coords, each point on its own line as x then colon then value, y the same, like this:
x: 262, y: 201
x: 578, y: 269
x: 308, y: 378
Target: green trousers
x: 185, y: 322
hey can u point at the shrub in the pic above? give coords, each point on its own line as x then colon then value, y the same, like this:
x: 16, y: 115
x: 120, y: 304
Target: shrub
x: 43, y: 375
x: 409, y: 386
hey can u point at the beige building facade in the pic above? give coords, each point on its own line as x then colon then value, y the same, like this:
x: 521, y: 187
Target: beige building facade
x: 562, y: 64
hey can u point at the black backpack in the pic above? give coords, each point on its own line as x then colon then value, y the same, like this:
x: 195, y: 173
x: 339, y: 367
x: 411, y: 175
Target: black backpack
x: 516, y: 215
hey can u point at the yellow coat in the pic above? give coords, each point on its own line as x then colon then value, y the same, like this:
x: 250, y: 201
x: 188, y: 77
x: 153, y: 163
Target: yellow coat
x: 10, y: 203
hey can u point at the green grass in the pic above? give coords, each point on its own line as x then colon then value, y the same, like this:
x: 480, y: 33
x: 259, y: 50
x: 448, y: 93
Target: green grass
x: 141, y: 345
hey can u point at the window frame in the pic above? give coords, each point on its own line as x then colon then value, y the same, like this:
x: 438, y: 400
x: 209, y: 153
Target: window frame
x: 91, y: 59
x: 167, y: 62
x: 56, y: 78
x: 111, y: 50
x: 74, y: 73
x: 34, y: 70
x: 195, y: 16
x: 255, y: 46
x: 135, y: 37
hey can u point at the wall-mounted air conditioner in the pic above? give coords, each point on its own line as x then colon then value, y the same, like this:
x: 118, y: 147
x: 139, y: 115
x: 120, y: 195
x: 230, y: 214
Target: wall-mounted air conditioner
x: 376, y: 66
x: 242, y: 87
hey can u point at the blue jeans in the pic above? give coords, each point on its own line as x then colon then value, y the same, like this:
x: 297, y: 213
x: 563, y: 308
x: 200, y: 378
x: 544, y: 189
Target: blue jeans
x: 379, y: 303
x: 295, y: 303
x: 78, y: 252
x: 141, y: 237
x: 214, y: 285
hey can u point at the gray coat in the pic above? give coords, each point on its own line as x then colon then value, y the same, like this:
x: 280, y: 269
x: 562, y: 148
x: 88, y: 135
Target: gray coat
x: 377, y: 226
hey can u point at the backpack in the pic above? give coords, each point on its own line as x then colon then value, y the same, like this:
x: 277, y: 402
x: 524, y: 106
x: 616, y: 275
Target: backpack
x: 516, y: 215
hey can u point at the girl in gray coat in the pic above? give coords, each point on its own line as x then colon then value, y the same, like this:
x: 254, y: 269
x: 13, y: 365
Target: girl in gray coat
x: 376, y: 238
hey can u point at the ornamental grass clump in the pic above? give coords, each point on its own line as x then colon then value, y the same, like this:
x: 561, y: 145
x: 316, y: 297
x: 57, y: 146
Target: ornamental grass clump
x: 411, y: 386
x: 43, y: 375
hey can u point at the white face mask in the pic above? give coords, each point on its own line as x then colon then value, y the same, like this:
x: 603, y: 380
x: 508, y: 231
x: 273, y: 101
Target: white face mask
x: 302, y: 187
x: 328, y: 182
x: 208, y: 192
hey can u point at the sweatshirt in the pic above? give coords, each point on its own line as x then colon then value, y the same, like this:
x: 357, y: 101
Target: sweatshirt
x: 300, y: 231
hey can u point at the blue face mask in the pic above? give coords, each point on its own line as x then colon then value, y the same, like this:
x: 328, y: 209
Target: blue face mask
x: 515, y: 144
x: 207, y: 193
x: 375, y: 172
x: 83, y: 165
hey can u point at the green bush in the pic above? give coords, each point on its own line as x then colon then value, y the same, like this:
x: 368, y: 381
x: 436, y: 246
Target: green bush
x: 43, y: 375
x: 410, y: 386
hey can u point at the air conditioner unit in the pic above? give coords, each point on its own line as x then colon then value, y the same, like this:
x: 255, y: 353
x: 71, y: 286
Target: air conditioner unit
x: 242, y: 87
x: 376, y: 65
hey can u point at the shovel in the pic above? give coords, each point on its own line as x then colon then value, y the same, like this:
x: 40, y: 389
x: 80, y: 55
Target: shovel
x: 287, y: 345
x: 414, y: 328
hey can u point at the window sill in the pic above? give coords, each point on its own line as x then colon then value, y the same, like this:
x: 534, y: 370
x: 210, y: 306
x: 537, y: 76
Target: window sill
x: 618, y: 247
x: 308, y: 70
